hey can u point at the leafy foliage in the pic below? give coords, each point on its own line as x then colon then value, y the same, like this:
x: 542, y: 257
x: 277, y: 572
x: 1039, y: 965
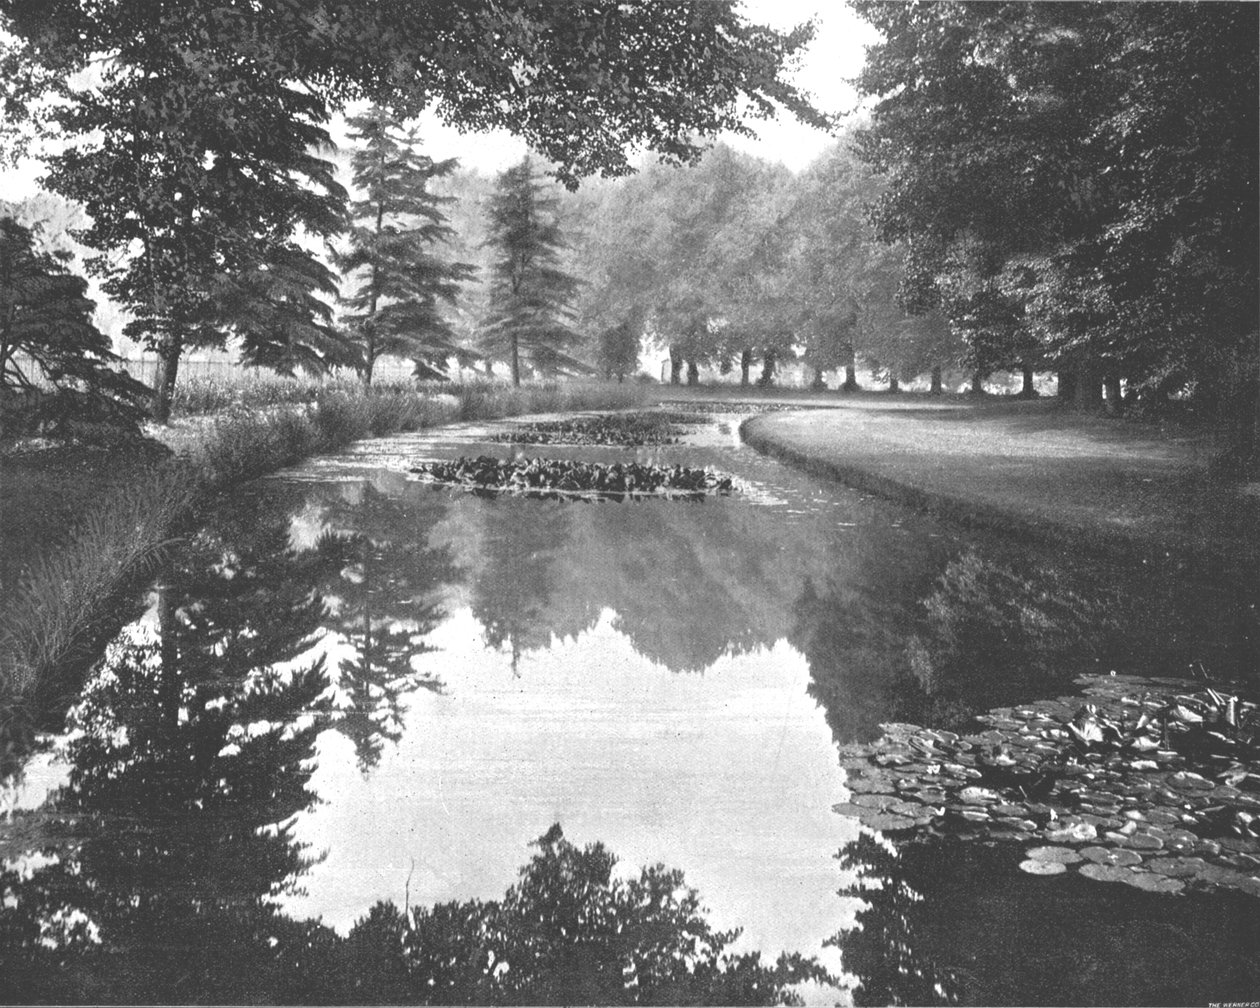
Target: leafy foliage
x: 571, y: 932
x: 1078, y: 182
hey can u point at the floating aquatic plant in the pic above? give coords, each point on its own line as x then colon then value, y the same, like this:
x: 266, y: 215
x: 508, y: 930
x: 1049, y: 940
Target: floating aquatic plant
x: 539, y: 476
x: 1148, y: 782
x: 620, y: 429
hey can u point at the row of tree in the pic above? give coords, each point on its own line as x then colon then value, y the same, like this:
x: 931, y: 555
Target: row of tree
x: 188, y: 132
x: 1075, y: 186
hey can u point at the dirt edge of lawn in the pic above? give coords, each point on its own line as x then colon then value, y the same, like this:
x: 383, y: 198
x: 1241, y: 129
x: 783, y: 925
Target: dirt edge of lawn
x: 1234, y: 559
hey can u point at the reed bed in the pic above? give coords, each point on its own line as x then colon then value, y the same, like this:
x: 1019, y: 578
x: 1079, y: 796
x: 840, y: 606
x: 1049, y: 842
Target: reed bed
x: 67, y: 595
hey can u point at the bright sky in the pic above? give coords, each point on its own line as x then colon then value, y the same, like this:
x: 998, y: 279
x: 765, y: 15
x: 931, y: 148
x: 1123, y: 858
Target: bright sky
x: 835, y: 56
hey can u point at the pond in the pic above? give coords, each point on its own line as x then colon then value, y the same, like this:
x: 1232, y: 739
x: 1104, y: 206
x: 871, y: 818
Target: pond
x: 355, y: 688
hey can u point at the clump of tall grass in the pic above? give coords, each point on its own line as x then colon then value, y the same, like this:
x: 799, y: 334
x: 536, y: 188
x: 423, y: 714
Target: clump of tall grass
x: 62, y: 596
x: 65, y: 595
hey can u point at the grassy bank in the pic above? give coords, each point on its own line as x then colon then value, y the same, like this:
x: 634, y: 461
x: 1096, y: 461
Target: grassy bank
x: 69, y: 588
x: 1128, y: 489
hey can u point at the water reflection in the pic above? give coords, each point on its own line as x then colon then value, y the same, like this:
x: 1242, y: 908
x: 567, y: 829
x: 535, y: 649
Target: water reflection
x: 365, y: 693
x: 932, y: 933
x: 158, y: 862
x: 383, y: 600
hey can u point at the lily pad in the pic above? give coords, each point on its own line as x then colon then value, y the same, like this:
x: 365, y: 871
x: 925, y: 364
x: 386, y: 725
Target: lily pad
x: 1063, y: 855
x: 1117, y: 857
x: 1105, y: 873
x: 1178, y: 867
x: 1035, y: 867
x: 886, y: 822
x: 1154, y: 883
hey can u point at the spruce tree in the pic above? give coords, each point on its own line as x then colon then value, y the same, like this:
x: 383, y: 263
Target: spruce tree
x: 530, y: 295
x: 395, y: 309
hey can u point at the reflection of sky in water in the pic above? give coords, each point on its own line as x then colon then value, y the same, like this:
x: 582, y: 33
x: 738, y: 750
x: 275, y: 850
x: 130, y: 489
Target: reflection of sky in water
x: 728, y: 775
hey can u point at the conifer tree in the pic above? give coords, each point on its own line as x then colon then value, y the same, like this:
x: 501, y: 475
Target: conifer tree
x: 395, y: 229
x: 530, y: 294
x: 47, y: 336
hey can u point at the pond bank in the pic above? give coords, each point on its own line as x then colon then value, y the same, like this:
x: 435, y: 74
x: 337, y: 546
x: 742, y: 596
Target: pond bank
x: 65, y: 575
x: 1031, y: 468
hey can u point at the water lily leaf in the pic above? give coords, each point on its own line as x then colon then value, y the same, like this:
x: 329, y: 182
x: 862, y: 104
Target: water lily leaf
x: 1154, y: 883
x: 1035, y: 867
x: 1105, y: 873
x: 1178, y: 867
x: 887, y: 823
x: 1063, y: 855
x: 1117, y: 857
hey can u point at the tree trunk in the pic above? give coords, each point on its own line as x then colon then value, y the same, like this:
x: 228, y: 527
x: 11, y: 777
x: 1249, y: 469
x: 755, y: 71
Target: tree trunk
x: 768, y: 362
x: 1087, y: 393
x: 893, y: 384
x: 937, y: 385
x: 693, y: 373
x: 675, y: 366
x: 850, y: 378
x: 977, y: 384
x: 516, y: 360
x: 1113, y: 404
x: 1066, y: 385
x: 818, y: 385
x: 1028, y: 392
x: 164, y: 382
x: 745, y: 364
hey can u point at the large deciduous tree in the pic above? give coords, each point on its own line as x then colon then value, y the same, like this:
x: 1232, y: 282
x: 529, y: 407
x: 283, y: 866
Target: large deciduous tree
x: 195, y: 166
x: 1098, y: 162
x: 531, y: 296
x: 397, y: 226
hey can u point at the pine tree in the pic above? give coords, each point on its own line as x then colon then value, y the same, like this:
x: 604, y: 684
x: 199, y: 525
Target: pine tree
x: 396, y: 225
x: 530, y: 295
x: 47, y: 337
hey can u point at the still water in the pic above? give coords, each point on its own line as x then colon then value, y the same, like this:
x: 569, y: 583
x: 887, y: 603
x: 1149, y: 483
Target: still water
x: 352, y: 687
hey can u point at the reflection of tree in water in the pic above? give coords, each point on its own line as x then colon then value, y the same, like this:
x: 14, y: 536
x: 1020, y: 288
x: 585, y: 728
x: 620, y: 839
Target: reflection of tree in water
x: 951, y: 923
x: 384, y: 601
x: 687, y: 583
x: 568, y: 932
x: 516, y: 581
x: 189, y: 757
x: 899, y: 646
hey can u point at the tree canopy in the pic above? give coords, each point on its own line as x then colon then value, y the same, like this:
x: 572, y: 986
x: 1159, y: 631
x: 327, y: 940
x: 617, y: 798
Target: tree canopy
x: 1080, y: 178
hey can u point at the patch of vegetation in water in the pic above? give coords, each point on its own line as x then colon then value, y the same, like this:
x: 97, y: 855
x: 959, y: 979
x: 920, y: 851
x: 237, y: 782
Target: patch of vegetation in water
x: 630, y: 430
x: 1154, y: 783
x: 731, y: 406
x: 563, y: 477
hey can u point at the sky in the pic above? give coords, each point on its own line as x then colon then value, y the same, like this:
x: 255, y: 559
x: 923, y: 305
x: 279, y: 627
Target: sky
x: 835, y: 55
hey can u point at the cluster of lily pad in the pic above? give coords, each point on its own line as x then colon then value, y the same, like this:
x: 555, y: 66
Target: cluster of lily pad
x: 623, y: 429
x: 561, y: 477
x: 1149, y: 782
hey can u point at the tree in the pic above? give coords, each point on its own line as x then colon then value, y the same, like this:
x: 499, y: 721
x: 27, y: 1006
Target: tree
x: 189, y: 141
x: 199, y: 169
x: 394, y: 230
x: 530, y: 295
x: 617, y: 349
x: 1101, y: 157
x: 47, y: 336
